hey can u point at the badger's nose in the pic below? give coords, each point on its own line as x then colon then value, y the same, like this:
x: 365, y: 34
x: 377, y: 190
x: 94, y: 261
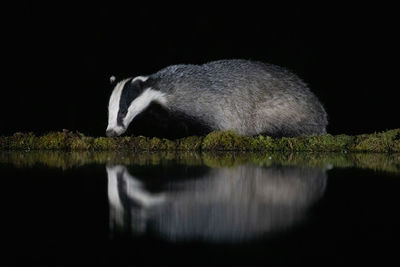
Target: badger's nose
x: 111, y: 133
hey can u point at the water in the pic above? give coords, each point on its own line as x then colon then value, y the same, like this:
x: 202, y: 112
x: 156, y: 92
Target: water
x: 191, y: 209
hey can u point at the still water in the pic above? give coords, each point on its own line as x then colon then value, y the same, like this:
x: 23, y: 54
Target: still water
x: 191, y: 209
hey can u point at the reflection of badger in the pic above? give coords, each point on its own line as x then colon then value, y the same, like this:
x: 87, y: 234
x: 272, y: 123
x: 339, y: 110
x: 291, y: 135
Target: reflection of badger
x: 247, y: 97
x: 225, y: 205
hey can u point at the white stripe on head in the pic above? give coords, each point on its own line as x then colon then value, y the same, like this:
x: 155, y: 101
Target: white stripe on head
x: 142, y: 78
x: 113, y: 105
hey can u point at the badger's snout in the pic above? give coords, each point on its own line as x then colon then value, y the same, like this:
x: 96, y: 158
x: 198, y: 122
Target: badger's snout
x: 111, y: 133
x: 115, y: 131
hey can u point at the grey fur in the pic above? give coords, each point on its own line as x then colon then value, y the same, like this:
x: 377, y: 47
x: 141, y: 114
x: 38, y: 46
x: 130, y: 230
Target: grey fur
x: 245, y: 96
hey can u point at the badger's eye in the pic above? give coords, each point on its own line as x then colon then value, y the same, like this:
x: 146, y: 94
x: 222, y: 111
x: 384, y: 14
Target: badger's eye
x: 120, y: 117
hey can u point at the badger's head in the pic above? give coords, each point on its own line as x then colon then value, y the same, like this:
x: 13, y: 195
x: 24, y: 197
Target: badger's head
x: 129, y: 98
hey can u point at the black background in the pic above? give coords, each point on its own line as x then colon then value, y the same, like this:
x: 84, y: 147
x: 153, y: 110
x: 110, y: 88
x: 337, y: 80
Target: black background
x: 59, y: 57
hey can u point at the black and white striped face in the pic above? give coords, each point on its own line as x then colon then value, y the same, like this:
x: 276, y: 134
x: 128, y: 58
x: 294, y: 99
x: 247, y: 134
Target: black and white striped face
x: 129, y: 98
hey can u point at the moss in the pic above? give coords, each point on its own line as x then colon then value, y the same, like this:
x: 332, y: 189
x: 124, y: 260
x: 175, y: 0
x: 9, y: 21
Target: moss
x: 166, y: 145
x: 103, y: 143
x: 227, y: 140
x: 260, y: 143
x: 388, y: 162
x: 326, y: 142
x: 84, y: 143
x: 191, y: 143
x: 387, y: 142
x: 53, y: 141
x: 19, y: 141
x: 145, y: 144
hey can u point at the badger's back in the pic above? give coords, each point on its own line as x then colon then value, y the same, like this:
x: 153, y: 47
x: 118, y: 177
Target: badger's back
x: 246, y: 96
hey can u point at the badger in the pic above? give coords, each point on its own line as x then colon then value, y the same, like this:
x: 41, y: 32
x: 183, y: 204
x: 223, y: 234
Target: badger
x: 248, y: 97
x: 226, y: 204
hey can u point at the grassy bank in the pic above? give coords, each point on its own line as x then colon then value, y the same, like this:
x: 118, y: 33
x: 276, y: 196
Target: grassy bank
x: 388, y: 142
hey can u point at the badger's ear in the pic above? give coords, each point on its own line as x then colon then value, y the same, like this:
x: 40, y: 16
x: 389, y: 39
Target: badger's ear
x: 113, y: 79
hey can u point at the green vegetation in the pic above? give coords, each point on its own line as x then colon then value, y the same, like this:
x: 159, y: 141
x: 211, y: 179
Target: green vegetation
x: 388, y: 142
x: 388, y: 162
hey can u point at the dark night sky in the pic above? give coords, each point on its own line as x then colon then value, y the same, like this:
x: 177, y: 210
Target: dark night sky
x: 61, y: 57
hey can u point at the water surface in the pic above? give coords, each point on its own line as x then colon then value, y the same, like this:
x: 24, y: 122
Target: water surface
x: 84, y: 208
